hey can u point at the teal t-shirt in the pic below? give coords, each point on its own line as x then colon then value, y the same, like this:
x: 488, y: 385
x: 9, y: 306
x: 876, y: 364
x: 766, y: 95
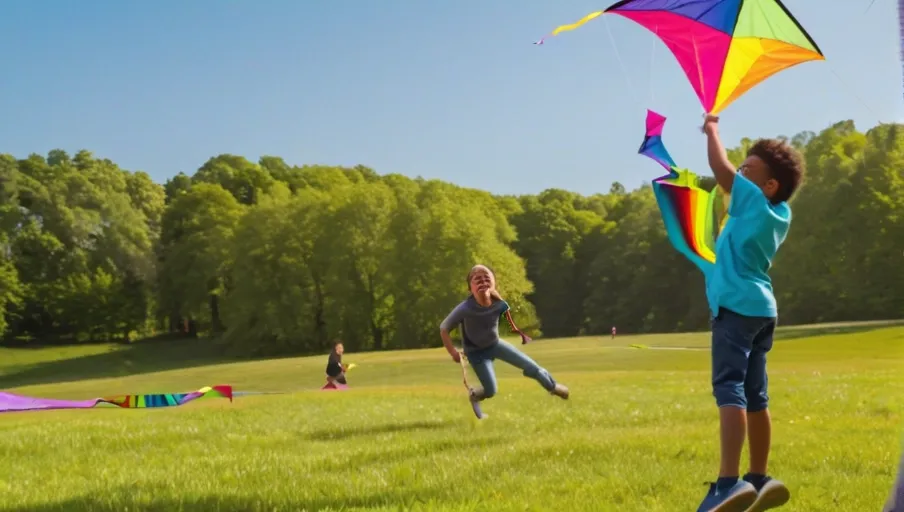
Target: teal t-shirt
x: 744, y: 251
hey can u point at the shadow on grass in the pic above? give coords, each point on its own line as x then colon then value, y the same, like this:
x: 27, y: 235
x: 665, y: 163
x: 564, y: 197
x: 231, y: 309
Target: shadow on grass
x: 401, y: 452
x: 129, y: 499
x: 162, y: 354
x: 344, y: 434
x: 793, y: 333
x: 147, y: 356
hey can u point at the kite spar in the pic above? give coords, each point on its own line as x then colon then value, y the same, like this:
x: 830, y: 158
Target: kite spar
x: 725, y: 47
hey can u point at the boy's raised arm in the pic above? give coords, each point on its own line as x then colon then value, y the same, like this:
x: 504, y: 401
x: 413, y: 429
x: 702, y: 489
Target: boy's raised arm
x: 723, y: 170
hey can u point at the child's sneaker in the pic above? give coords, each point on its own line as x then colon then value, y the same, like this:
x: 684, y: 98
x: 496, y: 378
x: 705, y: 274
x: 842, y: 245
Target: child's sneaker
x: 731, y: 499
x: 771, y: 493
x: 560, y: 391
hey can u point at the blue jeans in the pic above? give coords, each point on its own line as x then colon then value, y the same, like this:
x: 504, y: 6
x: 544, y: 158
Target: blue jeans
x: 482, y: 362
x: 739, y: 347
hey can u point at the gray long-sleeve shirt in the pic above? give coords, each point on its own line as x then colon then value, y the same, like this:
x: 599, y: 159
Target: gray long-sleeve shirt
x: 479, y: 325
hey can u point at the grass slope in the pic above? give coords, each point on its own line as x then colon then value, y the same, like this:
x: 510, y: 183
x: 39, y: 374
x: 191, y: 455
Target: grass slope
x: 638, y: 434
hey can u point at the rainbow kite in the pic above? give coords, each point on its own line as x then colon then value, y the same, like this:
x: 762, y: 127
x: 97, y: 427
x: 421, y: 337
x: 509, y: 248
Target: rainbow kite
x: 725, y: 47
x: 692, y: 216
x: 10, y: 402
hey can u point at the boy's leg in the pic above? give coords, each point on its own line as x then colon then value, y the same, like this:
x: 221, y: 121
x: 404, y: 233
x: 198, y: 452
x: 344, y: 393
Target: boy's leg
x: 482, y: 364
x: 511, y: 355
x: 759, y: 437
x: 732, y: 431
x: 771, y: 493
x: 756, y: 385
x: 732, y: 340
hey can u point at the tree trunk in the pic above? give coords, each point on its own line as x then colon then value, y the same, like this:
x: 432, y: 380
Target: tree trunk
x: 319, y: 307
x: 215, y: 324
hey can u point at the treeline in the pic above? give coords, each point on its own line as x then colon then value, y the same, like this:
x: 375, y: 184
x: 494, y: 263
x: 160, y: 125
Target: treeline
x: 273, y: 258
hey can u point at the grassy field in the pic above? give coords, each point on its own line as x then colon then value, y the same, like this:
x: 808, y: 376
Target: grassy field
x: 639, y: 433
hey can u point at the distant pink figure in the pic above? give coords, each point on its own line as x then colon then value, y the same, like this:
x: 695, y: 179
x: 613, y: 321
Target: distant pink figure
x: 613, y: 332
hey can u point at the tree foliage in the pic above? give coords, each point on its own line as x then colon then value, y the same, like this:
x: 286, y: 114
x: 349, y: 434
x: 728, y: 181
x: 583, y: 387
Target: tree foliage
x: 284, y: 259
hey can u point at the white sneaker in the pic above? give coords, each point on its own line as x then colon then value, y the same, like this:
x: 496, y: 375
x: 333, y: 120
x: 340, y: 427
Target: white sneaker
x: 773, y: 494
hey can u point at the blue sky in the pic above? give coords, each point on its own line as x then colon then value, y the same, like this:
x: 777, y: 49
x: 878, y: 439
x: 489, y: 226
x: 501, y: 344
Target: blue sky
x: 443, y: 89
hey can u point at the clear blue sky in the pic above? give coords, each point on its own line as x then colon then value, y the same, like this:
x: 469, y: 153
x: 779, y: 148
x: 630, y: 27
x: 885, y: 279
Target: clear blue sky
x: 449, y: 89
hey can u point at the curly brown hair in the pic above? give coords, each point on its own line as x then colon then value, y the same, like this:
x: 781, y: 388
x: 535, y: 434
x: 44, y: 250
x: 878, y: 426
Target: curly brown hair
x: 785, y: 164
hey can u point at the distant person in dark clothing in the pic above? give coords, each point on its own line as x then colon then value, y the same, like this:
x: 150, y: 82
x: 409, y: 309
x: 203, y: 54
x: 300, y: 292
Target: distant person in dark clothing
x: 335, y: 370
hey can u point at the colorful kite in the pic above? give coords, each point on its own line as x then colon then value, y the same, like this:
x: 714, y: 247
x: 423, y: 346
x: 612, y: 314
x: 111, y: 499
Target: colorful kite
x: 10, y: 402
x: 692, y: 216
x: 725, y: 47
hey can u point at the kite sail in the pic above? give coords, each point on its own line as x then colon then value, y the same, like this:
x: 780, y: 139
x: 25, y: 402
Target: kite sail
x: 692, y: 216
x: 725, y: 47
x: 10, y: 402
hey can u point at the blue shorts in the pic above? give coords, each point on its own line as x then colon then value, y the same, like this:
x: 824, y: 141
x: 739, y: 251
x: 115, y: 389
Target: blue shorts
x: 739, y: 347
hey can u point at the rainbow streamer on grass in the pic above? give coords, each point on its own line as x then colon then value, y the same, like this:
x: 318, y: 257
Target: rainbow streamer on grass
x: 692, y: 216
x: 724, y: 47
x: 11, y: 402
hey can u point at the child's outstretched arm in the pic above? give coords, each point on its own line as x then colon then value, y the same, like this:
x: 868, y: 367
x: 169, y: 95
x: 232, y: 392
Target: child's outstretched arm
x: 723, y: 170
x: 450, y: 347
x: 451, y: 322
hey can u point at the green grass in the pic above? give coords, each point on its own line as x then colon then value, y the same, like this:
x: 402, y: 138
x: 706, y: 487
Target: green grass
x: 639, y: 432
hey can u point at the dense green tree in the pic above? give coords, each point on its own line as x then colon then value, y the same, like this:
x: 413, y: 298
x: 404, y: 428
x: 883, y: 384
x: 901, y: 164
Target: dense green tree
x: 279, y: 258
x: 198, y: 249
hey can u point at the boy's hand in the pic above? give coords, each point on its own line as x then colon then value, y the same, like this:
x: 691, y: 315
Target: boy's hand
x: 456, y: 355
x: 710, y: 124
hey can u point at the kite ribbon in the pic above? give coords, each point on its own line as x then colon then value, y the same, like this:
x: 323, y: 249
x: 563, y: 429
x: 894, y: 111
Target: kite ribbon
x: 692, y: 216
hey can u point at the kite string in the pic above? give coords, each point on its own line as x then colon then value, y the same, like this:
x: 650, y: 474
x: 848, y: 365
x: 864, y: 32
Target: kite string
x: 653, y: 67
x: 621, y: 63
x: 851, y: 91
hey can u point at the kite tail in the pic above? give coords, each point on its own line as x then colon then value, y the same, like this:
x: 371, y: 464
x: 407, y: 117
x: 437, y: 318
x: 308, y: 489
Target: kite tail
x: 693, y: 217
x: 571, y: 26
x: 675, y: 232
x: 525, y: 339
x: 167, y: 399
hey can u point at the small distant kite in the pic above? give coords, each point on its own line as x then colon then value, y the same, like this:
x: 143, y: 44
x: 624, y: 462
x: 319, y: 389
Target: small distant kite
x: 10, y: 402
x: 692, y: 216
x: 725, y: 47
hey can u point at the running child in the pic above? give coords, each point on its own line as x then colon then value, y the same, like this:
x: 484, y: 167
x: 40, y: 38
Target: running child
x: 478, y: 316
x: 744, y: 314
